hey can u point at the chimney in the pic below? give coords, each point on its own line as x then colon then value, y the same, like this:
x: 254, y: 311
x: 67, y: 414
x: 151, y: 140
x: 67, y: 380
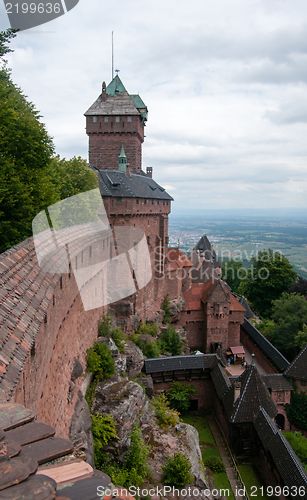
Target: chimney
x: 149, y: 172
x: 237, y: 386
x: 104, y: 91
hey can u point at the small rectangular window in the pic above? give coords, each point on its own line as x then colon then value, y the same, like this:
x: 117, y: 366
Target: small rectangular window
x: 117, y: 119
x: 94, y: 119
x: 106, y: 119
x: 129, y: 119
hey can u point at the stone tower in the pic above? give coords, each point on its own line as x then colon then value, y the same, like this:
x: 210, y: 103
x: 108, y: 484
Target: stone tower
x: 116, y: 120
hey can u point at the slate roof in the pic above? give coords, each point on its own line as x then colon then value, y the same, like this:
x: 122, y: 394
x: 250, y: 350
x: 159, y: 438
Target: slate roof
x: 220, y: 380
x: 120, y: 185
x: 204, y: 245
x: 265, y: 345
x: 248, y: 310
x: 253, y: 395
x: 285, y: 460
x: 28, y: 461
x: 176, y: 363
x: 298, y: 367
x: 277, y: 382
x: 117, y: 101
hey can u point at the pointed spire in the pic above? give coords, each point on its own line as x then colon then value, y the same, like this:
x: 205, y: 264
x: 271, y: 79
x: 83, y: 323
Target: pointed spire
x: 122, y: 160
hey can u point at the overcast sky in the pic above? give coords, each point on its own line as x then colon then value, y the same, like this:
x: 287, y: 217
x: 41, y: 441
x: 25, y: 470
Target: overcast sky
x: 225, y: 82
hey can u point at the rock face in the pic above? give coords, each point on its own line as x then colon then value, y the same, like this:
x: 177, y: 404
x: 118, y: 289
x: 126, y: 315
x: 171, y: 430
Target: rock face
x: 80, y: 430
x: 126, y: 402
x: 134, y: 359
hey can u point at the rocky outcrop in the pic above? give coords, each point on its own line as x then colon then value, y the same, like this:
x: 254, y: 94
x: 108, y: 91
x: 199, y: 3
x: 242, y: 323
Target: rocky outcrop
x: 134, y: 359
x: 126, y: 402
x: 80, y: 430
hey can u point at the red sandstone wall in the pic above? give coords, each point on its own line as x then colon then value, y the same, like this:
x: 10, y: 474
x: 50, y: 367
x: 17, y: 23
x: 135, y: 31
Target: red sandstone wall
x: 204, y: 392
x: 69, y: 331
x: 106, y: 140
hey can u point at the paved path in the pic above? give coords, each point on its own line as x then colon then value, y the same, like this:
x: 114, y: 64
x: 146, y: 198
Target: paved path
x: 230, y: 467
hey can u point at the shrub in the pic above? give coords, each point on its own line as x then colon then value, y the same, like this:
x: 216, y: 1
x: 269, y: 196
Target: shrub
x: 179, y: 396
x: 297, y: 410
x: 166, y: 308
x: 299, y: 444
x: 119, y: 338
x: 215, y: 464
x: 149, y: 347
x: 177, y: 471
x: 105, y: 326
x: 100, y: 361
x: 136, y: 458
x: 165, y: 415
x: 148, y: 329
x: 104, y: 431
x: 170, y: 341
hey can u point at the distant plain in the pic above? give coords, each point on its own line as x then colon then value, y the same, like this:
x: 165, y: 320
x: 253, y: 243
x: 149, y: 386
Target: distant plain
x: 243, y: 235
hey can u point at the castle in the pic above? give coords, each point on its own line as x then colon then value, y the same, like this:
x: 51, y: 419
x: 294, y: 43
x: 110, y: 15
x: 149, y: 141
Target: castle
x: 45, y: 330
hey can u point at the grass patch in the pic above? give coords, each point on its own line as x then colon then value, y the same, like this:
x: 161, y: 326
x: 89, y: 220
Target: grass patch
x: 221, y: 482
x: 250, y: 479
x: 209, y: 449
x: 201, y: 424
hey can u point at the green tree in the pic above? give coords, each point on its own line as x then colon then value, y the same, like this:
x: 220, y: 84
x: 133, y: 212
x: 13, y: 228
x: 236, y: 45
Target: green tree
x: 25, y: 152
x: 71, y: 177
x: 104, y: 431
x: 166, y: 416
x: 270, y: 275
x: 148, y: 345
x: 299, y: 444
x: 177, y: 471
x: 233, y: 272
x: 137, y: 456
x: 100, y: 361
x: 166, y: 308
x: 289, y: 315
x: 297, y: 410
x: 170, y: 341
x: 300, y: 338
x: 179, y: 396
x: 5, y: 39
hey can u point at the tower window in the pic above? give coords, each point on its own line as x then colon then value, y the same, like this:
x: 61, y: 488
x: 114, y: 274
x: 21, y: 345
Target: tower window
x: 106, y: 119
x: 117, y: 119
x: 94, y: 119
x: 129, y: 119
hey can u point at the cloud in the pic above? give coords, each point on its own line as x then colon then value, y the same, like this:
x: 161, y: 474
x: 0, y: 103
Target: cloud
x: 225, y: 84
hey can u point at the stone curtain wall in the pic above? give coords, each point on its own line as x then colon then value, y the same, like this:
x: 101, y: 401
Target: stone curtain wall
x: 63, y: 332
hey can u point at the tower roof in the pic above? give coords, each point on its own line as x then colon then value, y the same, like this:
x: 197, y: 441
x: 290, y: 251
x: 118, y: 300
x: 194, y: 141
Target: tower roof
x: 297, y: 368
x: 116, y: 87
x: 122, y: 153
x: 115, y: 100
x: 253, y: 396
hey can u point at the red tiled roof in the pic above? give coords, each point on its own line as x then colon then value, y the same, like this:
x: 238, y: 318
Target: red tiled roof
x: 194, y: 295
x: 177, y: 259
x: 235, y: 304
